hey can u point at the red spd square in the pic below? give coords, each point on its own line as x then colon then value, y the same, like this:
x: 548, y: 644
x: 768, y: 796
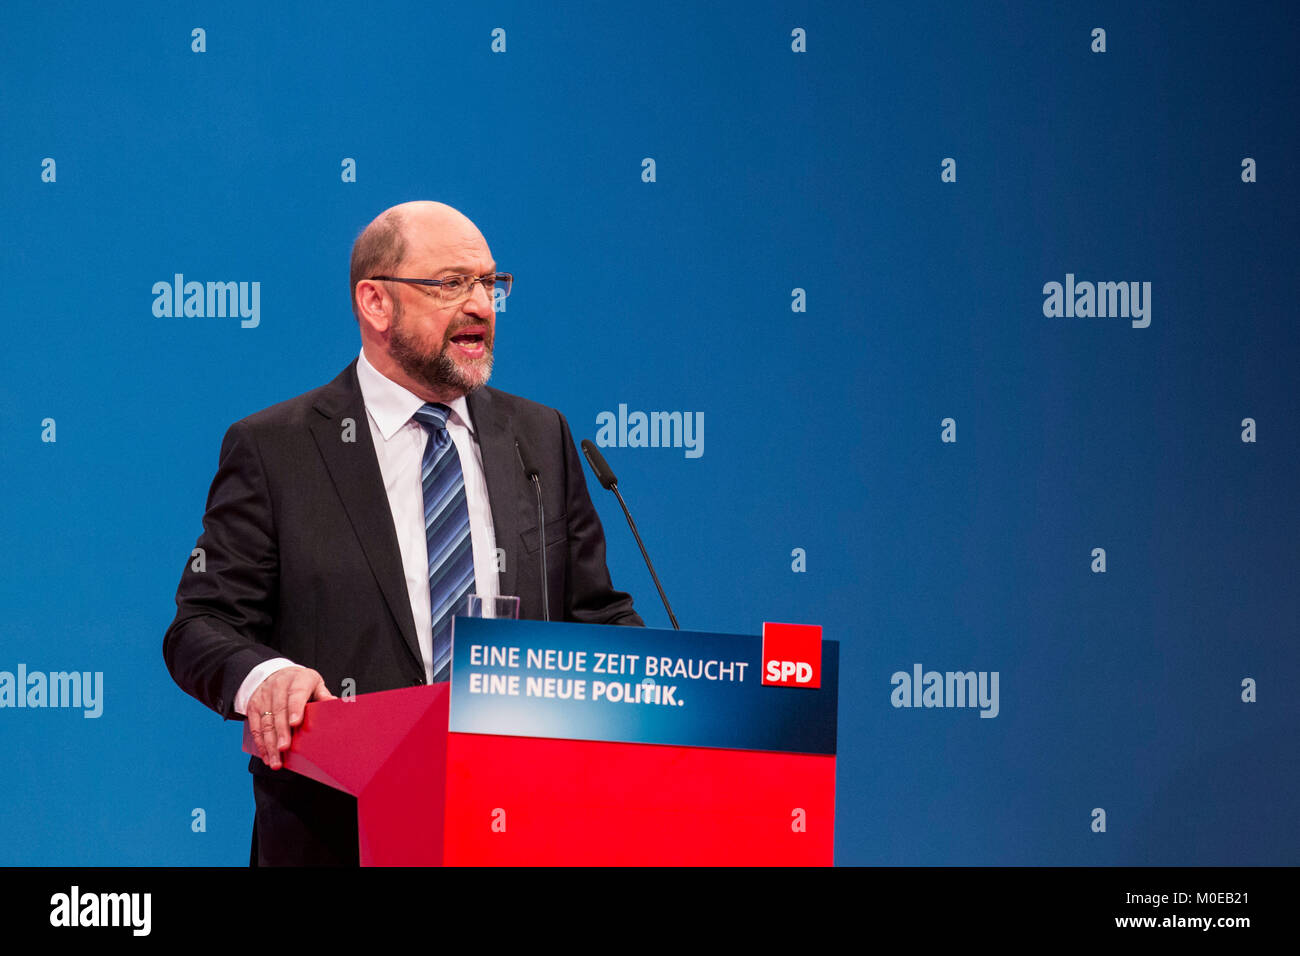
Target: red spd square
x: 792, y: 655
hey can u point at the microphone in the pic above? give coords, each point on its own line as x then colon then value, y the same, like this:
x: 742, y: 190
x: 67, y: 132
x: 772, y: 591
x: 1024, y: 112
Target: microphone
x: 532, y: 474
x: 607, y: 480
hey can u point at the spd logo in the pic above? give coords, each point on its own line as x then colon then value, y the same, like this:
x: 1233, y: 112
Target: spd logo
x: 792, y: 655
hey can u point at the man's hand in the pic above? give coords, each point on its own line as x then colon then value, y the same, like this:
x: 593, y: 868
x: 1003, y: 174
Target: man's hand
x: 276, y: 707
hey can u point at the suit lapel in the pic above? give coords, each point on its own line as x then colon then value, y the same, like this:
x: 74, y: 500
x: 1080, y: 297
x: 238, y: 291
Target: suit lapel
x: 354, y: 469
x: 501, y: 468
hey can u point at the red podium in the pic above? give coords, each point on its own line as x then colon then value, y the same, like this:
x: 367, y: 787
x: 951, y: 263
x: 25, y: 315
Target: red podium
x: 428, y: 796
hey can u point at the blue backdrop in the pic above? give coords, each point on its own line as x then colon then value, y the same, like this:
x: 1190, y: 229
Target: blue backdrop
x: 843, y: 241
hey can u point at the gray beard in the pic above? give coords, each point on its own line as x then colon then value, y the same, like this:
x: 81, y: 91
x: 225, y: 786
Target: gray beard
x: 436, y: 372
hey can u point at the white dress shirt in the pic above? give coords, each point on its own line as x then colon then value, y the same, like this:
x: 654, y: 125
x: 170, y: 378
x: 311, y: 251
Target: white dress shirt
x: 399, y: 445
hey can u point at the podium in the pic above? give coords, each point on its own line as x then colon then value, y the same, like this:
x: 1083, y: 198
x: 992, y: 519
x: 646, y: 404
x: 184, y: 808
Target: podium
x: 566, y: 744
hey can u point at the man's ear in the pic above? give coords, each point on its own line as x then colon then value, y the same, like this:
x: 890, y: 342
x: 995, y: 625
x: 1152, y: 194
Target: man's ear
x: 374, y: 307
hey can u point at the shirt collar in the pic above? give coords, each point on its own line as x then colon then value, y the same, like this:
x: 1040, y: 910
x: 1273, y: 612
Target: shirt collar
x: 392, y: 406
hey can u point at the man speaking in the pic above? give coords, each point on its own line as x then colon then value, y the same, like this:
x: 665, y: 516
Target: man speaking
x: 345, y: 526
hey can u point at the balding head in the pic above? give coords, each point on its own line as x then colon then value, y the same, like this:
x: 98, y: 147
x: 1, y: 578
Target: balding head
x: 435, y: 345
x: 383, y: 244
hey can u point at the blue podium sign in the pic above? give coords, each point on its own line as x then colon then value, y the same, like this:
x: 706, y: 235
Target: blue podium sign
x: 633, y: 685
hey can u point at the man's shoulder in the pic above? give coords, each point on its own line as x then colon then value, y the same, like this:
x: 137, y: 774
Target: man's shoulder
x: 513, y: 408
x: 330, y: 400
x: 343, y: 395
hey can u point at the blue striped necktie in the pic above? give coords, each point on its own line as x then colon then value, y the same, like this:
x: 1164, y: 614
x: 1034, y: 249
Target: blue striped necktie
x: 446, y: 528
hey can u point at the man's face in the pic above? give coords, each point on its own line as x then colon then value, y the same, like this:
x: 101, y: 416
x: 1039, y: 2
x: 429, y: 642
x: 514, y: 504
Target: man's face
x: 446, y: 347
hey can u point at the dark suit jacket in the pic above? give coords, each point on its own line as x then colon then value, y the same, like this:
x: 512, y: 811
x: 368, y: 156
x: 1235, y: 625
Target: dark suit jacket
x: 302, y: 562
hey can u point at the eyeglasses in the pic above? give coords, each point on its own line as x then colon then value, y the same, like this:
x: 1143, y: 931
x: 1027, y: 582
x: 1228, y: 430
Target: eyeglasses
x: 454, y: 289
